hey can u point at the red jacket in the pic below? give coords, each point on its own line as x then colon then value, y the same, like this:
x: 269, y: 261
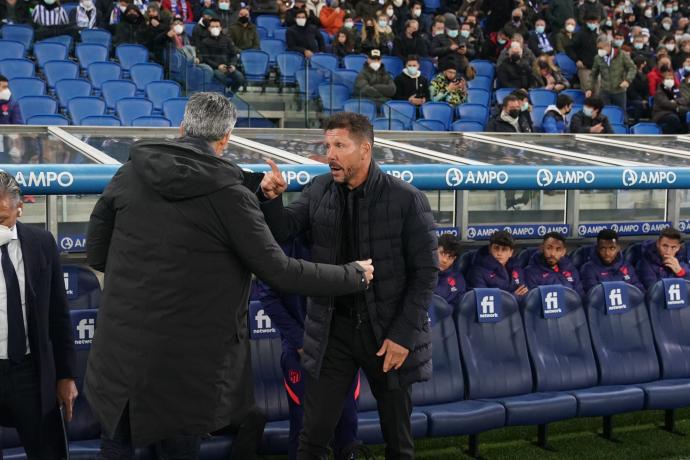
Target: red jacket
x: 331, y: 21
x: 654, y: 78
x: 188, y: 17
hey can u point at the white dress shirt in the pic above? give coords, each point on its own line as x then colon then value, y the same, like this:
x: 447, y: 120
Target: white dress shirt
x: 15, y: 251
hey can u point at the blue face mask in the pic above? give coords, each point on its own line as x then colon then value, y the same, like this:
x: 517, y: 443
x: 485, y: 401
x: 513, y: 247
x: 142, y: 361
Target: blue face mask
x: 592, y: 26
x: 587, y: 111
x: 452, y: 33
x: 539, y: 29
x: 412, y: 70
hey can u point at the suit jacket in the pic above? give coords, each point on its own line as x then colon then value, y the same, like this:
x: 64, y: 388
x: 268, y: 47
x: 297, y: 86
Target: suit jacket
x: 49, y: 328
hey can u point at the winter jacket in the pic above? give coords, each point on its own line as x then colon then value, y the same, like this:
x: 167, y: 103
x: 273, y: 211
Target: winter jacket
x: 244, y: 38
x: 621, y: 68
x: 595, y: 272
x: 580, y: 123
x: 178, y: 235
x: 561, y: 40
x: 583, y: 47
x: 557, y: 76
x: 440, y: 48
x: 10, y: 114
x: 215, y: 51
x: 499, y: 125
x: 668, y: 102
x: 650, y: 268
x: 376, y: 85
x: 487, y: 272
x: 515, y: 75
x: 557, y: 13
x: 554, y: 121
x: 128, y: 32
x: 451, y: 285
x: 655, y: 78
x: 406, y: 86
x: 304, y: 38
x: 565, y: 273
x: 331, y: 20
x: 21, y: 11
x: 404, y: 47
x: 439, y: 91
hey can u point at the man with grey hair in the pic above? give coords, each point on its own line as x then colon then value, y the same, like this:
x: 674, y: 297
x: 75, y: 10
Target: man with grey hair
x: 612, y: 72
x: 178, y: 232
x: 37, y: 362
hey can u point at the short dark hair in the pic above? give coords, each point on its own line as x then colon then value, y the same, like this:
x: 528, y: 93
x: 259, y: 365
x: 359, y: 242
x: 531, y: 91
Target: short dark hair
x: 3, y: 78
x: 594, y: 102
x: 214, y: 20
x: 301, y: 11
x: 449, y: 243
x: 555, y: 236
x: 502, y: 238
x: 412, y: 57
x: 520, y: 94
x: 607, y: 235
x: 507, y: 99
x: 563, y: 100
x: 671, y: 233
x: 358, y: 125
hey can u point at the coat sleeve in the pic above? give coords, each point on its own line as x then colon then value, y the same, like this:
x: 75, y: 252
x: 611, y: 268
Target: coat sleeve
x: 576, y: 125
x: 549, y: 124
x: 594, y: 74
x: 630, y: 69
x: 531, y: 278
x: 272, y: 304
x: 386, y: 89
x: 589, y: 279
x: 577, y: 283
x: 634, y: 279
x: 475, y: 279
x: 293, y: 44
x: 421, y: 264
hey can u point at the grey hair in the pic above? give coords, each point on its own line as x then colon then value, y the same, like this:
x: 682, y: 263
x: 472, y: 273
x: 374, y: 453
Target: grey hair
x: 603, y: 40
x: 209, y: 116
x: 9, y: 187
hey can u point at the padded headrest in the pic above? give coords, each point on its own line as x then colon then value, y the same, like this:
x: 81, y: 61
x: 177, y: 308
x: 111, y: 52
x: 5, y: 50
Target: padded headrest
x: 439, y: 310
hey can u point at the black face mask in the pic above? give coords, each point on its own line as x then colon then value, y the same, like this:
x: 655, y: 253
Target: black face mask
x: 514, y: 57
x: 243, y: 19
x: 664, y: 68
x: 517, y: 18
x: 133, y: 18
x: 514, y: 113
x: 370, y: 29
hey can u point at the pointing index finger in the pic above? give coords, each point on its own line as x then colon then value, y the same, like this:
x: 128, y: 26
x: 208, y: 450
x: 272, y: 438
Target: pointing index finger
x: 273, y: 165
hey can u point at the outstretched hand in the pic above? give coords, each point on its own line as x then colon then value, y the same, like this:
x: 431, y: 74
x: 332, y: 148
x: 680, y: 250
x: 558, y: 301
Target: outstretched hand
x: 273, y: 184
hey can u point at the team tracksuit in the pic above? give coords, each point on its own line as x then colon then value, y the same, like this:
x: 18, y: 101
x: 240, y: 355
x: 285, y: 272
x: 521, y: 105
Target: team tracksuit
x: 564, y: 273
x: 595, y: 272
x: 451, y: 285
x: 487, y: 272
x: 651, y: 268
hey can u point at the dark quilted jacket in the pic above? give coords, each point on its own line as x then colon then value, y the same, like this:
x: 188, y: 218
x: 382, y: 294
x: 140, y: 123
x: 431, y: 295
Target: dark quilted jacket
x: 396, y: 230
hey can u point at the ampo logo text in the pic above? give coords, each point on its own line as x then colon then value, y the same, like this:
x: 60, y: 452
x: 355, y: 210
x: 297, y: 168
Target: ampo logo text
x: 546, y: 178
x: 631, y: 178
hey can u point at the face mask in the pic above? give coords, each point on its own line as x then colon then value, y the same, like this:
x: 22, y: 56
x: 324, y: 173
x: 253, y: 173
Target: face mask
x: 87, y: 4
x: 452, y: 33
x: 592, y: 26
x: 5, y: 94
x: 416, y: 13
x: 638, y: 46
x: 517, y: 18
x: 524, y: 107
x: 668, y: 84
x: 375, y: 66
x: 397, y: 3
x: 648, y: 13
x: 666, y: 26
x: 5, y: 235
x: 677, y: 37
x: 243, y: 19
x: 675, y: 7
x: 609, y: 23
x: 383, y: 24
x: 381, y: 2
x: 687, y: 69
x: 215, y: 31
x: 539, y: 29
x: 587, y: 111
x: 49, y: 2
x: 122, y: 8
x: 349, y: 25
x: 514, y: 57
x: 664, y: 68
x: 617, y: 43
x: 465, y: 33
x: 570, y: 28
x: 438, y: 32
x: 301, y: 21
x: 602, y: 53
x: 670, y: 46
x: 668, y: 11
x: 514, y: 113
x: 178, y: 29
x: 390, y: 12
x: 412, y: 70
x: 501, y: 41
x: 224, y: 6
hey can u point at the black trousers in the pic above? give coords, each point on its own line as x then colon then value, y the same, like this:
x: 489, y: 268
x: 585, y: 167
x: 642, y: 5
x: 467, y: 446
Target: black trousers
x: 248, y: 435
x: 20, y: 397
x: 352, y: 345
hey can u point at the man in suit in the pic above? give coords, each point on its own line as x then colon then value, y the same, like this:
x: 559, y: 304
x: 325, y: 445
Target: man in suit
x: 37, y: 363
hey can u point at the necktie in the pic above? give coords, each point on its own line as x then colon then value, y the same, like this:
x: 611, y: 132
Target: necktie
x: 16, y: 337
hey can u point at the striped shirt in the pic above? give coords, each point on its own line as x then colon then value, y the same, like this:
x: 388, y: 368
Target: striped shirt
x: 44, y: 17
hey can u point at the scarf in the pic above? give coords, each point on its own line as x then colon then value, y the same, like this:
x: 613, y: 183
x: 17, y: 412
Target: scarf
x: 85, y: 19
x: 514, y: 122
x: 173, y: 8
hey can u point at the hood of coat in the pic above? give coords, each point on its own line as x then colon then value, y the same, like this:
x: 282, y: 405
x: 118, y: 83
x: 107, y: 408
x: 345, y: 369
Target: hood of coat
x: 183, y: 168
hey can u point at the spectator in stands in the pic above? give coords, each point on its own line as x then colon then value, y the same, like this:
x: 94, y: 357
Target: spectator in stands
x: 583, y: 48
x: 539, y: 42
x: 527, y: 56
x: 548, y: 75
x: 550, y: 265
x: 590, y: 120
x: 303, y: 37
x: 638, y: 92
x: 525, y: 121
x: 300, y: 6
x: 115, y: 12
x: 178, y: 40
x: 243, y: 33
x: 614, y: 70
x: 451, y: 282
x: 155, y: 34
x: 591, y: 9
x: 373, y: 81
x: 446, y: 46
x: 656, y: 75
x: 153, y: 10
x: 181, y: 7
x: 516, y: 25
x: 287, y: 313
x: 343, y: 44
x: 515, y: 72
x: 200, y: 31
x: 477, y: 39
x: 618, y: 39
x: 493, y: 266
x: 558, y: 13
x: 554, y: 121
x: 401, y: 13
x: 683, y: 55
x: 447, y: 86
x: 466, y: 34
x: 670, y: 107
x: 10, y: 114
x: 661, y: 32
x: 406, y: 252
x: 85, y: 15
x: 497, y: 43
x: 202, y: 379
x: 313, y: 8
x: 641, y: 49
x: 385, y: 34
x: 661, y: 259
x: 228, y: 16
x: 497, y: 13
x: 425, y: 21
x: 369, y: 37
x: 508, y: 119
x: 410, y: 42
x: 198, y: 6
x: 606, y: 264
x: 14, y: 12
x: 50, y: 19
x: 469, y: 7
x: 132, y: 28
x: 332, y: 17
x: 411, y: 85
x: 219, y: 52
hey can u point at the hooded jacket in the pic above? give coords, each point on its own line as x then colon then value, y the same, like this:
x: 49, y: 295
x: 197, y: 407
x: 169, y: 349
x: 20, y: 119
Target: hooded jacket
x: 581, y: 123
x: 595, y: 272
x: 486, y: 272
x: 406, y: 86
x: 554, y: 121
x: 451, y: 285
x: 650, y: 267
x: 618, y: 69
x: 565, y: 273
x: 178, y: 236
x: 375, y: 84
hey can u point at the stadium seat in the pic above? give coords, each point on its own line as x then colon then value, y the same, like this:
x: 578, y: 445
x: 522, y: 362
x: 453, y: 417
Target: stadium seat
x: 88, y: 53
x: 67, y: 88
x: 633, y: 252
x: 263, y: 34
x: 273, y: 48
x: 55, y: 71
x: 173, y: 110
x: 465, y: 260
x: 48, y: 120
x: 365, y: 107
x: 100, y: 72
x: 567, y: 65
x: 130, y: 108
x: 403, y: 111
x: 484, y: 68
x: 326, y: 62
x: 48, y: 51
x: 160, y: 91
x: 615, y: 114
x: 440, y: 111
x: 354, y: 62
x: 333, y: 96
x: 269, y: 22
x: 619, y: 128
x: 65, y: 40
x: 345, y: 77
x: 10, y: 49
x: 501, y: 93
x: 255, y: 64
x: 467, y: 126
x: 37, y: 105
x: 428, y: 125
x: 479, y: 96
x: 288, y: 64
x: 388, y: 124
x: 310, y: 87
x: 525, y: 256
x: 577, y: 95
x: 100, y: 120
x: 27, y: 86
x: 280, y: 33
x: 537, y: 115
x: 582, y: 255
x: 23, y: 34
x: 254, y: 122
x: 326, y: 38
x: 189, y: 28
x: 430, y: 6
x: 542, y: 97
x: 128, y: 55
x: 560, y: 348
x: 393, y: 64
x: 473, y: 112
x: 143, y: 74
x: 15, y: 68
x: 114, y: 90
x: 154, y: 120
x: 80, y: 107
x: 97, y: 37
x: 427, y: 68
x: 645, y: 128
x: 82, y: 286
x: 497, y: 366
x: 481, y: 83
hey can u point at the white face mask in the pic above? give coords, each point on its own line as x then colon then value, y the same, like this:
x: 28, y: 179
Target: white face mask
x: 670, y: 46
x: 666, y: 25
x: 687, y: 69
x: 5, y: 235
x: 301, y: 21
x: 602, y: 53
x: 390, y: 12
x: 122, y: 8
x: 349, y: 25
x: 416, y: 13
x: 5, y: 94
x: 375, y: 66
x: 398, y: 3
x: 648, y: 14
x: 178, y: 29
x: 87, y: 4
x: 669, y: 83
x: 570, y: 28
x: 215, y: 31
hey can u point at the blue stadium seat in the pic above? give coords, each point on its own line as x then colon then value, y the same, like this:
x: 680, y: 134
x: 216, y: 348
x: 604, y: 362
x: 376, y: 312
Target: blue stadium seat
x: 152, y: 121
x: 67, y: 88
x: 143, y: 74
x: 543, y: 97
x: 173, y: 110
x: 308, y: 82
x: 280, y: 33
x: 327, y: 63
x: 441, y: 111
x: 10, y: 49
x: 345, y: 77
x: 14, y: 68
x: 263, y: 33
x: 27, y: 86
x: 467, y: 126
x: 619, y: 128
x: 484, y: 68
x: 114, y: 90
x: 393, y: 64
x: 288, y: 64
x: 69, y: 7
x: 23, y: 34
x: 582, y: 255
x: 354, y: 62
x: 645, y: 128
x: 65, y: 40
x: 428, y: 125
x: 403, y: 111
x: 537, y: 115
x: 562, y: 358
x: 80, y: 107
x: 479, y: 96
x: 501, y: 93
x: 269, y: 22
x: 473, y: 112
x: 326, y: 38
x: 430, y: 6
x: 100, y: 120
x: 100, y: 72
x: 525, y: 256
x: 55, y: 71
x: 387, y: 124
x: 189, y: 28
x: 615, y: 114
x: 130, y: 108
x: 427, y: 68
x: 48, y: 51
x: 255, y: 64
x: 129, y: 54
x: 88, y: 53
x: 365, y: 107
x: 633, y: 252
x: 481, y: 83
x: 97, y: 37
x: 465, y: 260
x: 82, y: 286
x: 48, y: 120
x: 577, y: 95
x: 160, y: 91
x: 333, y: 96
x: 567, y: 65
x: 273, y: 48
x: 37, y: 105
x: 497, y: 363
